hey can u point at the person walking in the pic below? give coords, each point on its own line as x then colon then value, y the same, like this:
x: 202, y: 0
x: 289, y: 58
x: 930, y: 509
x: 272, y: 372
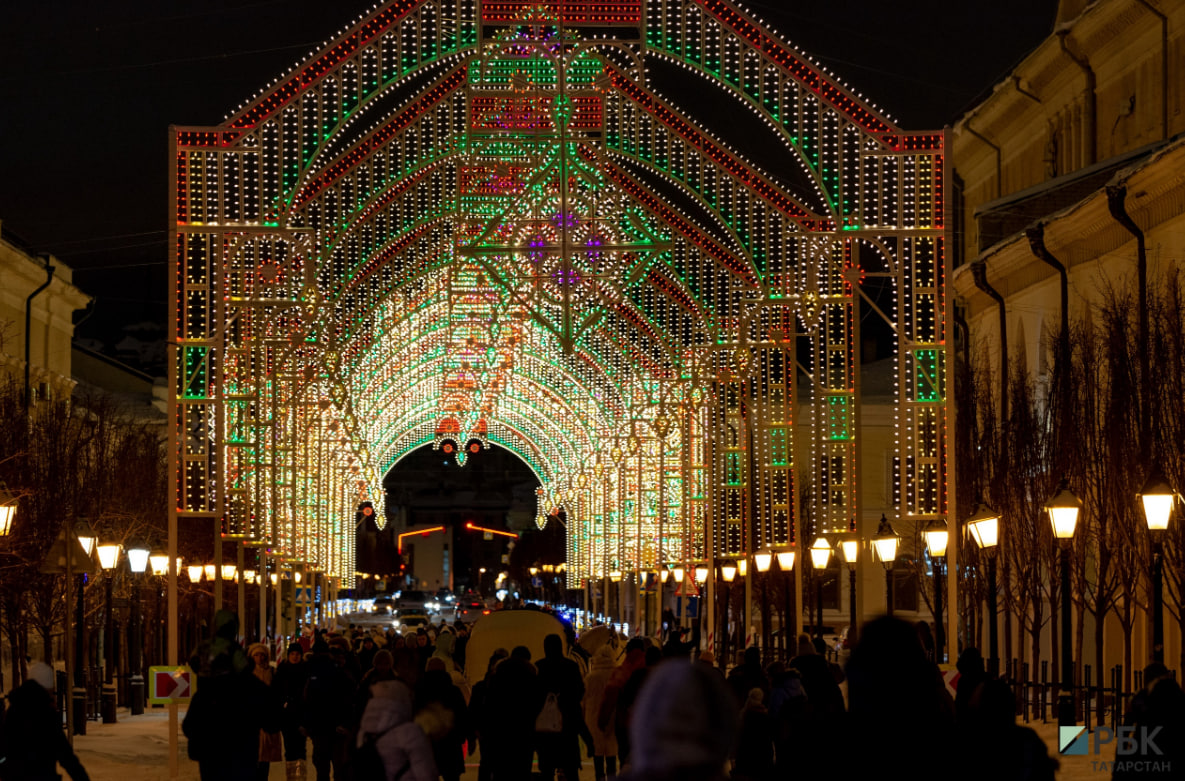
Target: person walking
x: 514, y: 692
x: 32, y: 743
x: 755, y: 743
x: 228, y: 708
x: 559, y: 677
x: 604, y: 748
x: 271, y: 747
x: 327, y: 710
x: 289, y: 682
x: 402, y: 746
x: 483, y: 712
x: 442, y: 715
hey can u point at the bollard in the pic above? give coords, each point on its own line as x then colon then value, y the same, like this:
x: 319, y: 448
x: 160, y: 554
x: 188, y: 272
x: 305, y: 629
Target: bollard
x: 136, y: 694
x: 79, y: 705
x: 107, y: 703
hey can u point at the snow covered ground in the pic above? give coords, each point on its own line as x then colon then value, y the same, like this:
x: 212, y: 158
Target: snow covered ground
x: 135, y: 748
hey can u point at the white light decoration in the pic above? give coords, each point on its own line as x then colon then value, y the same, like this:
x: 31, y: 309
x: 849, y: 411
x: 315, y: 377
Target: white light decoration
x: 445, y: 228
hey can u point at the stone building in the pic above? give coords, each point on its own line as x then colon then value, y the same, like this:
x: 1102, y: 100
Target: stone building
x: 1075, y: 164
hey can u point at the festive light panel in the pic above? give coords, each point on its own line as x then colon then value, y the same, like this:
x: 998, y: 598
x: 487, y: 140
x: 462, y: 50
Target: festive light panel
x: 439, y: 230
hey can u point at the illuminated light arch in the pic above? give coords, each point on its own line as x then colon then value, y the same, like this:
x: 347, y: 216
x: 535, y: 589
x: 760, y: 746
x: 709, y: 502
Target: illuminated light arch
x: 496, y: 230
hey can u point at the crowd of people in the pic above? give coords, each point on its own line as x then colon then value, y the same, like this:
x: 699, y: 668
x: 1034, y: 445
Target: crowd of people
x: 359, y: 704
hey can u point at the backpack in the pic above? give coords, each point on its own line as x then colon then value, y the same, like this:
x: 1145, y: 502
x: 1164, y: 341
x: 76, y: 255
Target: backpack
x: 550, y: 719
x: 367, y: 764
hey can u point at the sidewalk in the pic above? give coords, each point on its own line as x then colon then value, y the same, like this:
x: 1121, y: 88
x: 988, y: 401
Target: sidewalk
x: 136, y: 748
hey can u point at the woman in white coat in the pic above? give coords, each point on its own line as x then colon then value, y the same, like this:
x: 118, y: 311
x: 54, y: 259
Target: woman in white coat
x: 604, y: 662
x: 401, y: 744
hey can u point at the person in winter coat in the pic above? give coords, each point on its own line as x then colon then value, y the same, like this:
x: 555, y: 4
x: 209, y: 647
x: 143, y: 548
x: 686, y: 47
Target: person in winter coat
x: 560, y: 676
x: 228, y: 709
x: 684, y: 726
x: 747, y: 676
x: 514, y: 690
x: 971, y: 674
x: 755, y: 743
x: 994, y: 745
x: 604, y: 752
x: 289, y: 682
x: 614, y: 715
x: 443, y: 716
x: 270, y: 743
x: 32, y: 743
x: 482, y: 713
x: 401, y: 744
x: 327, y: 711
x: 788, y: 710
x: 823, y: 693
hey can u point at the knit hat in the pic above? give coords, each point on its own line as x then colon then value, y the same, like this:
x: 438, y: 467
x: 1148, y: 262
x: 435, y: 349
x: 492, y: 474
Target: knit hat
x: 43, y: 674
x: 295, y: 648
x: 255, y: 648
x: 684, y: 720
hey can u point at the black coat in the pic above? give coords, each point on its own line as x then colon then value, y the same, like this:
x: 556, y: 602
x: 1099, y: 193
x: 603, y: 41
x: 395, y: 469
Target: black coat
x: 224, y: 719
x: 32, y: 741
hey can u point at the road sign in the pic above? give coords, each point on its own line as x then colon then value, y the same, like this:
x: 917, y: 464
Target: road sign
x: 170, y: 684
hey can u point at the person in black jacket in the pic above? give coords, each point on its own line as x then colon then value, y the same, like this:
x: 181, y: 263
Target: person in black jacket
x: 560, y: 676
x: 289, y: 682
x: 32, y: 743
x: 228, y: 709
x: 327, y: 711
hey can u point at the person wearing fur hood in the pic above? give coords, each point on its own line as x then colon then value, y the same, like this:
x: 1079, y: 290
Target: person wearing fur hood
x: 402, y: 745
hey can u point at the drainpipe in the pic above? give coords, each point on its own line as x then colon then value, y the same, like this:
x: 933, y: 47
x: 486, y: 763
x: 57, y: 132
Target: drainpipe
x: 1036, y: 236
x: 1023, y: 91
x: 979, y: 273
x: 49, y: 269
x: 999, y: 164
x: 1116, y: 195
x: 1164, y: 69
x: 1088, y: 96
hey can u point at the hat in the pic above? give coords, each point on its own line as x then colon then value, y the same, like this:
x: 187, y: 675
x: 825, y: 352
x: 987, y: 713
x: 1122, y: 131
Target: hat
x: 320, y: 647
x: 43, y: 674
x: 256, y: 648
x: 684, y: 721
x: 295, y: 648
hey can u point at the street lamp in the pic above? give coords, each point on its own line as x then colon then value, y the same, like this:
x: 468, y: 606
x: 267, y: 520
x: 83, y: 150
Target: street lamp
x: 885, y: 544
x: 984, y: 525
x: 1157, y: 497
x: 1063, y: 511
x: 936, y: 536
x: 108, y: 558
x: 7, y: 511
x: 137, y: 561
x: 87, y: 539
x: 851, y: 556
x: 785, y: 559
x: 820, y: 556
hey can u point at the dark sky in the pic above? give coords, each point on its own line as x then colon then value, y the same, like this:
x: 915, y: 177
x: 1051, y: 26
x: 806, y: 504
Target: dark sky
x: 88, y: 90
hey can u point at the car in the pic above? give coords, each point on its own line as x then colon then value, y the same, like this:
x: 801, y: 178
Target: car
x: 469, y: 610
x: 411, y: 618
x: 382, y: 605
x: 412, y: 599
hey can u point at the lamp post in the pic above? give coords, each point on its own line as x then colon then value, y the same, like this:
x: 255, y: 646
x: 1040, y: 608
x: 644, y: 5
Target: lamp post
x: 885, y: 543
x: 762, y: 561
x: 1063, y: 511
x: 728, y: 572
x: 1157, y: 497
x: 851, y: 556
x: 984, y: 525
x: 936, y: 539
x: 87, y: 539
x: 786, y: 565
x: 820, y: 556
x: 137, y: 562
x: 108, y: 558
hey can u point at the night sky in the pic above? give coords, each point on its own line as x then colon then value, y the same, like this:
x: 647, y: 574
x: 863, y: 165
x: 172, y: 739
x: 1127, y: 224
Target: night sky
x: 88, y: 90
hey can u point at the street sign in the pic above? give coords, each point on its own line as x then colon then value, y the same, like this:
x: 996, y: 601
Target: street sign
x: 55, y: 558
x: 167, y: 685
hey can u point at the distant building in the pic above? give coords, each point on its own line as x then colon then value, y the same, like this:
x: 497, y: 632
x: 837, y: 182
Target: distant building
x: 51, y: 317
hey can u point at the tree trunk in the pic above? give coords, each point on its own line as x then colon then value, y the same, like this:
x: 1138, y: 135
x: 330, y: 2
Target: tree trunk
x: 1100, y: 617
x: 1006, y: 617
x: 1035, y: 639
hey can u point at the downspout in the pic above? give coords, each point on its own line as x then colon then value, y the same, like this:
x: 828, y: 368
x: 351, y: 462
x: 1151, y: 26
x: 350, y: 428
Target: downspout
x: 1036, y: 236
x: 1116, y: 196
x: 1164, y: 69
x: 999, y: 163
x: 49, y: 269
x: 979, y: 273
x: 1089, y: 99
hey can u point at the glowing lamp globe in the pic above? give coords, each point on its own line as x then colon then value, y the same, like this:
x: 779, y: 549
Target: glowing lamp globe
x: 984, y: 525
x: 820, y: 553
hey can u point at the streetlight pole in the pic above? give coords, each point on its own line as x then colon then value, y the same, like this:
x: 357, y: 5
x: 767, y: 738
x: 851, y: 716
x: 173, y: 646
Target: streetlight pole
x: 885, y: 543
x: 1063, y: 511
x: 108, y: 558
x: 851, y: 555
x: 936, y: 540
x: 984, y: 525
x: 786, y: 564
x: 820, y: 556
x: 1158, y: 497
x: 137, y: 562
